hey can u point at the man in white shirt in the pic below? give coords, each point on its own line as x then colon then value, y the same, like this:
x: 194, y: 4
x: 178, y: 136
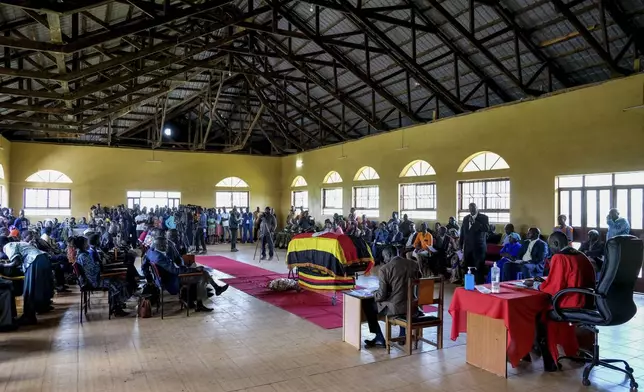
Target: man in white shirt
x: 225, y: 222
x: 141, y: 223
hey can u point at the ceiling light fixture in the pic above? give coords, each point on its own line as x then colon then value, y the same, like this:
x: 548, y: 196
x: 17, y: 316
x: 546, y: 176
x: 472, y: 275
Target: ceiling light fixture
x: 299, y: 163
x: 311, y: 7
x: 167, y: 131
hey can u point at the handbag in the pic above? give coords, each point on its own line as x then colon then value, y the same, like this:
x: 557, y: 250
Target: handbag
x: 145, y: 308
x: 151, y: 293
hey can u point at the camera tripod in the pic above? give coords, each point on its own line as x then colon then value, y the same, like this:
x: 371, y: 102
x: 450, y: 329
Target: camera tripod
x: 270, y: 238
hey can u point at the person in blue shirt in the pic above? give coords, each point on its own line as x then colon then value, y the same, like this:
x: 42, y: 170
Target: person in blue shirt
x: 616, y: 225
x: 530, y: 260
x: 169, y: 222
x: 507, y: 231
x: 82, y: 224
x: 247, y: 226
x: 380, y: 241
x: 21, y: 223
x: 170, y: 266
x: 510, y: 250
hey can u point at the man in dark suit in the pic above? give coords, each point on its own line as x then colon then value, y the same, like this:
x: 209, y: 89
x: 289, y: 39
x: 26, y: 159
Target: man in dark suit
x: 473, y: 242
x: 594, y: 249
x: 530, y: 260
x: 391, y: 297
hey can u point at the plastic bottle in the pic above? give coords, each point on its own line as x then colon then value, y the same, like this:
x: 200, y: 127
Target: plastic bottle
x: 469, y: 279
x: 496, y: 279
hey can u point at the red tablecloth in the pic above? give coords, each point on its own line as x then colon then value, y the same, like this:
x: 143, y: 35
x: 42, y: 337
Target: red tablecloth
x: 518, y: 308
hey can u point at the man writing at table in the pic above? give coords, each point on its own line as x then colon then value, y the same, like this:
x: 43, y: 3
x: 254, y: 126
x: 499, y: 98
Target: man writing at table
x: 391, y: 297
x: 568, y: 268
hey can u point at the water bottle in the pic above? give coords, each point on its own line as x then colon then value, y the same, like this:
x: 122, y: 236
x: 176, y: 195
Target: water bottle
x: 496, y: 279
x: 469, y: 279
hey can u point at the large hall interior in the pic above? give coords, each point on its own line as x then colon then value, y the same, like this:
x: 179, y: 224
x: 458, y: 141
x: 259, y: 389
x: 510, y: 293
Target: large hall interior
x: 321, y: 195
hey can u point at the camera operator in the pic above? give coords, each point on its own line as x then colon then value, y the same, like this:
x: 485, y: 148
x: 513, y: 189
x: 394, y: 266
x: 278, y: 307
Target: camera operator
x: 267, y: 226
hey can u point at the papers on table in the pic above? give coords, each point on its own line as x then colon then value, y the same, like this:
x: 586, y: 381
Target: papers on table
x: 361, y: 293
x: 482, y: 289
x: 519, y: 284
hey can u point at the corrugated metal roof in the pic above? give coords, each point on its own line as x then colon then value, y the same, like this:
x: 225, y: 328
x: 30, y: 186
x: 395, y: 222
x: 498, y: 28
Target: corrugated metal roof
x: 555, y: 37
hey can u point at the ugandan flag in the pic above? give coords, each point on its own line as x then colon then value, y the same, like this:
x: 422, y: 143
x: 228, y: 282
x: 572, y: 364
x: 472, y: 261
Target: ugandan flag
x: 329, y: 256
x: 318, y: 280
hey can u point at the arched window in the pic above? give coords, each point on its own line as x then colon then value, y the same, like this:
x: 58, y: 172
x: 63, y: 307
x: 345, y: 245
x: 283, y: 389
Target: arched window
x: 232, y: 198
x: 300, y: 197
x: 48, y: 201
x: 332, y: 178
x: 483, y: 161
x: 332, y: 197
x: 366, y: 173
x: 299, y: 181
x: 366, y: 199
x: 49, y: 176
x: 418, y: 168
x: 491, y: 195
x: 232, y: 182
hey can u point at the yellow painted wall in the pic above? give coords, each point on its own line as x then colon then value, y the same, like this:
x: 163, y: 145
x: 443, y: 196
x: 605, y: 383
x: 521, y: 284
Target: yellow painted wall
x: 5, y: 155
x: 103, y: 175
x: 580, y: 131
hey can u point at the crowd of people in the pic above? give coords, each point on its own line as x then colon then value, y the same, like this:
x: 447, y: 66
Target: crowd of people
x: 40, y: 258
x: 45, y: 252
x: 534, y: 258
x: 451, y: 249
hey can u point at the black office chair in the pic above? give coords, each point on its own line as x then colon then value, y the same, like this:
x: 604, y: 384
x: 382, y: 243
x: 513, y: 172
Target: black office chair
x: 613, y: 301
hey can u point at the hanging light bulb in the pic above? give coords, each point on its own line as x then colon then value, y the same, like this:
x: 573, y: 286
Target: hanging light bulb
x: 311, y: 7
x: 230, y: 73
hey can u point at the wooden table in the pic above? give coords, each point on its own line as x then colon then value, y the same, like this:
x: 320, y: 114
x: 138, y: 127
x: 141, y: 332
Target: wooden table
x: 487, y: 339
x: 352, y: 319
x: 499, y: 327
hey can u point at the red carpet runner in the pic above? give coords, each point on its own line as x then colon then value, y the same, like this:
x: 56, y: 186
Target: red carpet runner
x: 312, y: 306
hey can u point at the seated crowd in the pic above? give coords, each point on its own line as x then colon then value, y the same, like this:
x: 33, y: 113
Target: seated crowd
x: 45, y: 254
x: 564, y: 266
x: 449, y: 250
x: 39, y: 259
